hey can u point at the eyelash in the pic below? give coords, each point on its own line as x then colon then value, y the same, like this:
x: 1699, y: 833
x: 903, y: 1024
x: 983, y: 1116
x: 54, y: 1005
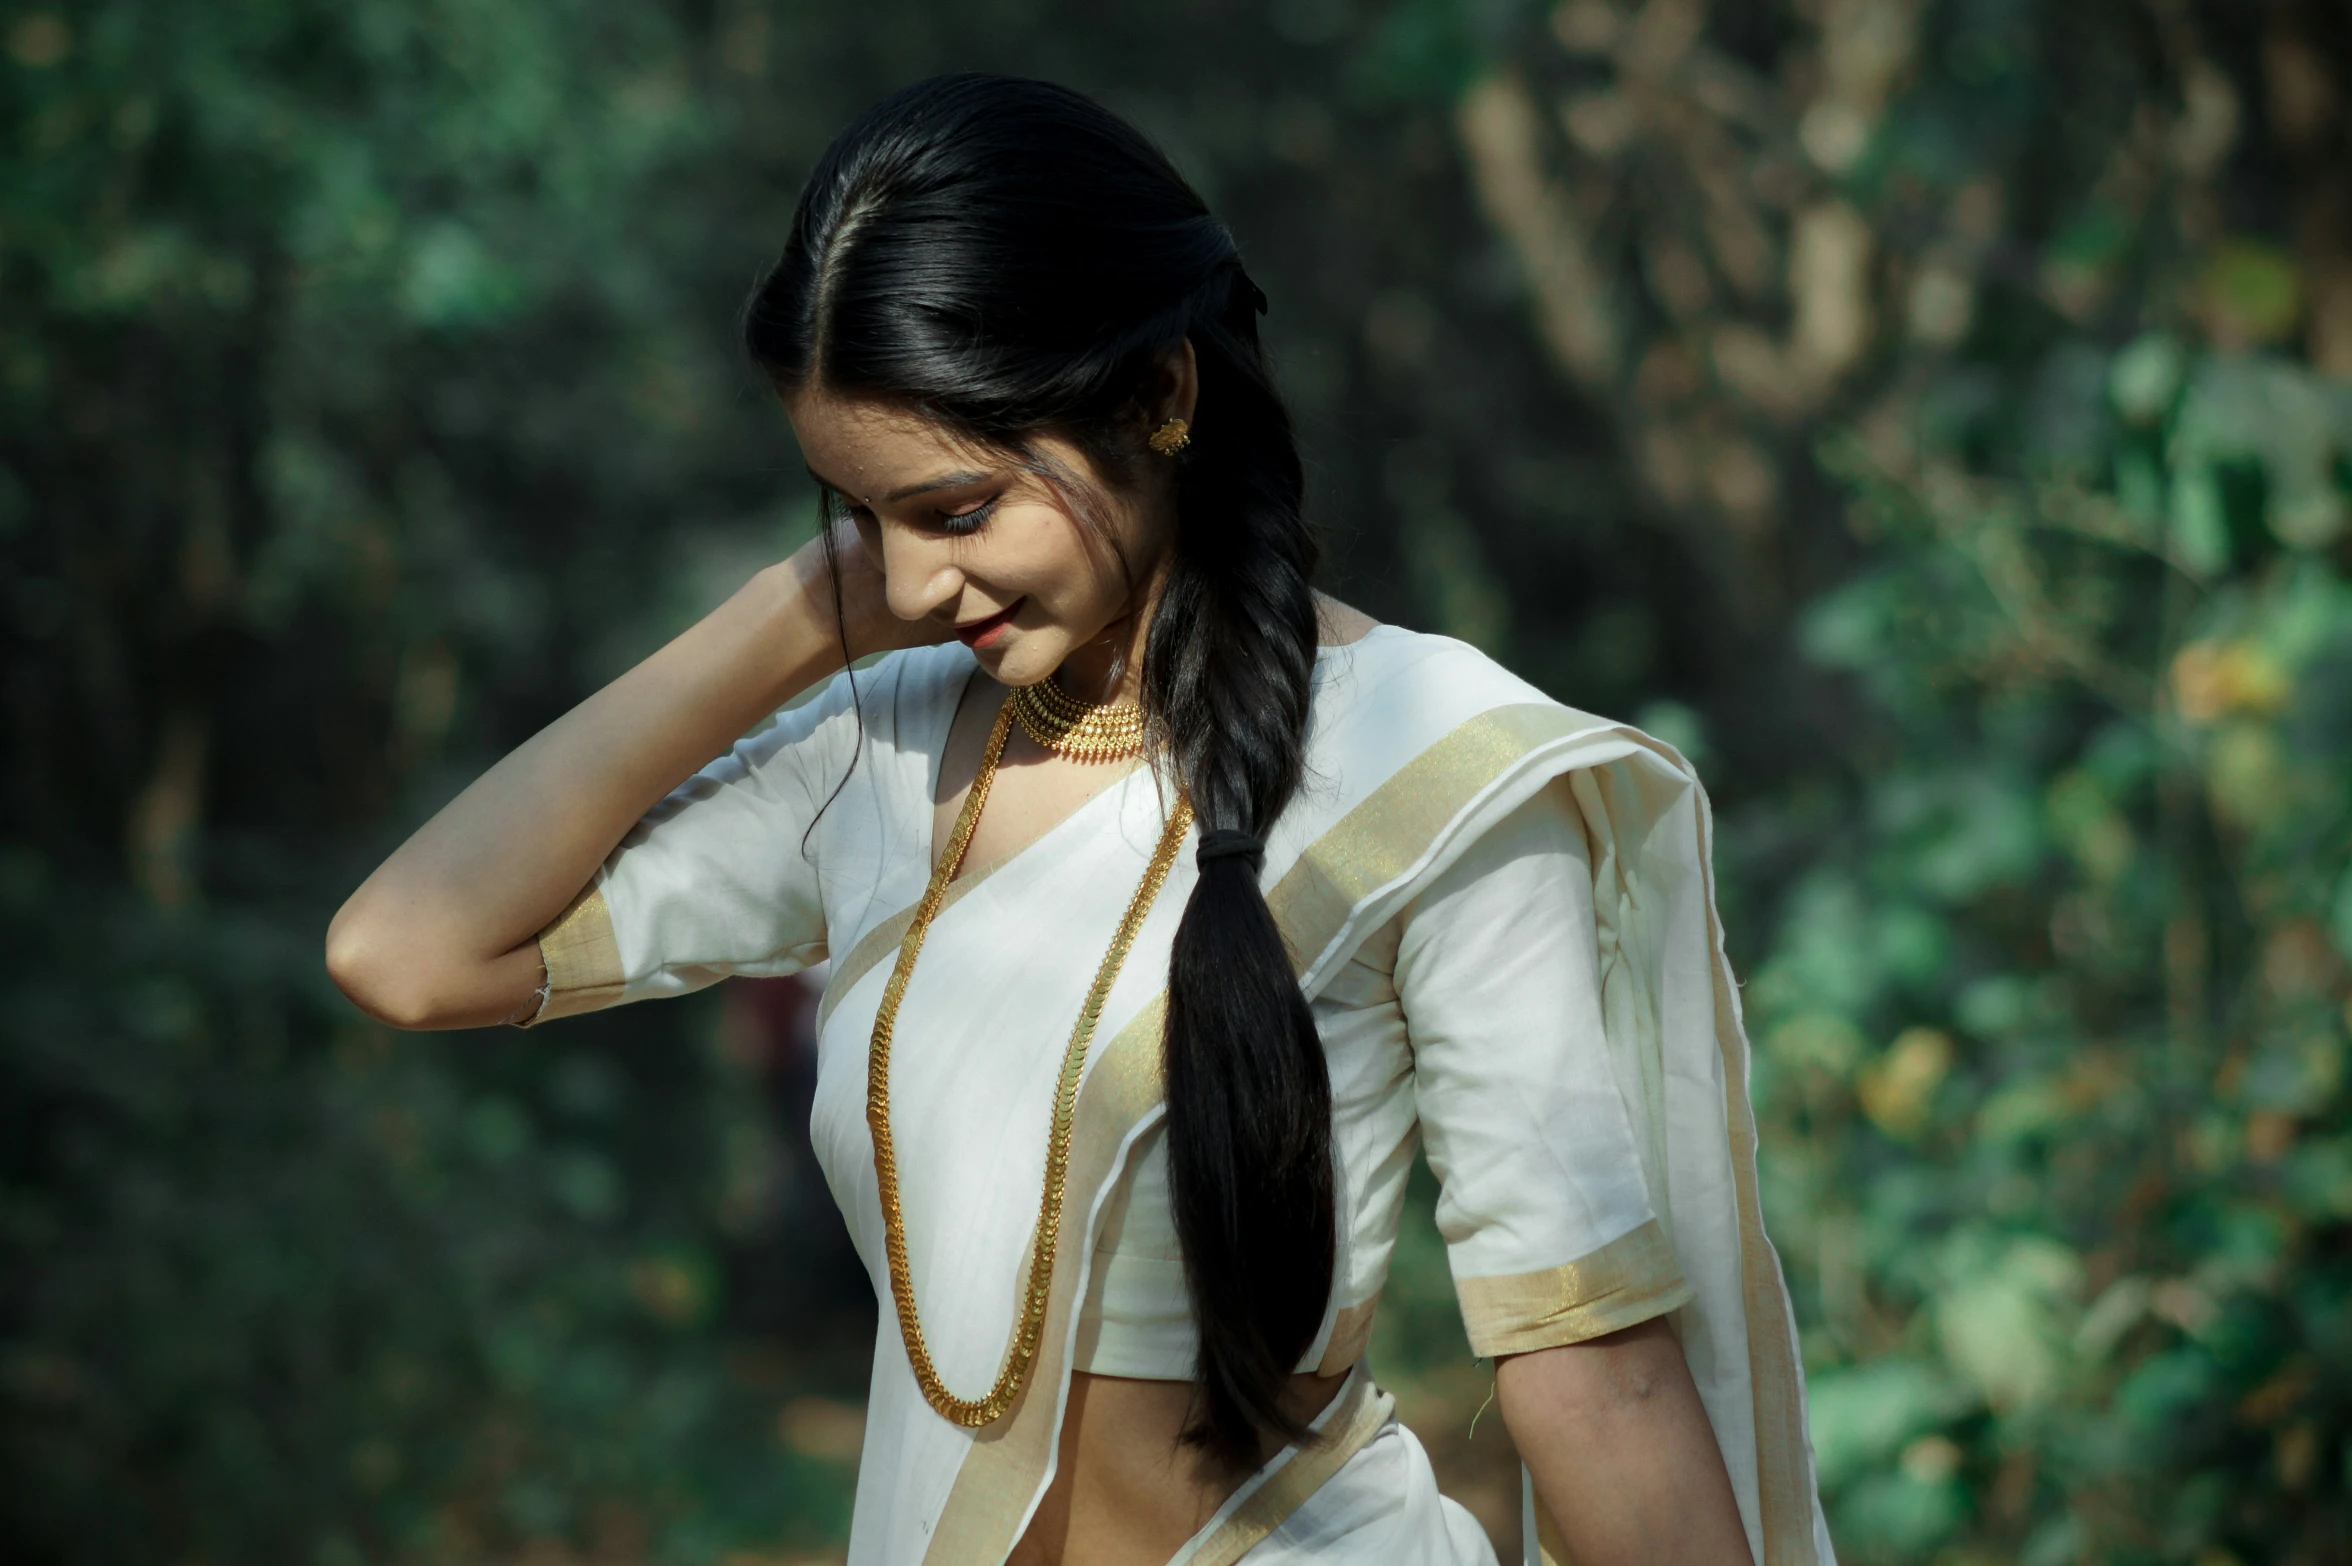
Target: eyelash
x: 956, y: 524
x: 962, y: 522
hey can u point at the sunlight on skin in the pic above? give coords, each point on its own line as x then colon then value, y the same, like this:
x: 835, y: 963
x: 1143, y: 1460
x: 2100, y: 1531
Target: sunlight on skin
x: 955, y: 540
x: 961, y: 541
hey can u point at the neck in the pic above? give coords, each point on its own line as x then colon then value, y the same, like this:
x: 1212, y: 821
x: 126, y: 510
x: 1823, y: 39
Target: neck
x: 1110, y: 667
x: 1107, y: 669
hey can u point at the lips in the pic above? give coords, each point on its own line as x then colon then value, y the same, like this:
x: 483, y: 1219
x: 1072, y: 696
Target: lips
x: 980, y: 633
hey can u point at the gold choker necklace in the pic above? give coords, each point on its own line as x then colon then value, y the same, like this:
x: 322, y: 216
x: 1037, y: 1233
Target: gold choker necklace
x: 1080, y: 730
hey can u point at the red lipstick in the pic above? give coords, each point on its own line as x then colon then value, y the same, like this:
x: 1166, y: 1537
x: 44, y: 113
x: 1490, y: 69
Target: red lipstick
x: 982, y: 633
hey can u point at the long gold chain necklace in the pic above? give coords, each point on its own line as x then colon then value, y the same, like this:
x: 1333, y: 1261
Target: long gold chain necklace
x: 1080, y: 730
x: 1029, y: 1328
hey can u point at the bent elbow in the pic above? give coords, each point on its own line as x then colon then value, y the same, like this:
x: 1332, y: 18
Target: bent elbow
x: 373, y: 978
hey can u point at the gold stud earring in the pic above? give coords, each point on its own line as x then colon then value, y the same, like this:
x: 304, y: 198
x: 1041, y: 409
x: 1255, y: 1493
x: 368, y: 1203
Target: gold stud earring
x: 1171, y: 437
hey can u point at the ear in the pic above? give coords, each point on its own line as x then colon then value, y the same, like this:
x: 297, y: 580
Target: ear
x: 1173, y: 390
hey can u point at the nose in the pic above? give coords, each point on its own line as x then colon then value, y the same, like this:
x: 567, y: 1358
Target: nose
x: 919, y: 575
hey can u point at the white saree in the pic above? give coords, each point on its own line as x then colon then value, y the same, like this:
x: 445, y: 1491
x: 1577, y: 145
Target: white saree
x: 812, y: 838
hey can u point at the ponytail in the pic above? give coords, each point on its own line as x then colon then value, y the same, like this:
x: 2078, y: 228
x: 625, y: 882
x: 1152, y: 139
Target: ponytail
x: 1227, y: 670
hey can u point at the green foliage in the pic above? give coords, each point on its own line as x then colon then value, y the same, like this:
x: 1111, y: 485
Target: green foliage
x: 2052, y: 1044
x: 297, y: 299
x: 2050, y: 987
x: 329, y: 1297
x: 1920, y: 411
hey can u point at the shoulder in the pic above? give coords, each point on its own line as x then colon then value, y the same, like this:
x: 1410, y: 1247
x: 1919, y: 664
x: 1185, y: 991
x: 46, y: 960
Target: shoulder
x: 1417, y: 747
x: 1396, y: 679
x: 1337, y: 624
x: 1436, y: 718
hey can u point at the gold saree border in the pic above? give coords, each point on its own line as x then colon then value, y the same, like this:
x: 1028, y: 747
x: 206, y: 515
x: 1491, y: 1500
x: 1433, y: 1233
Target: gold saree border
x: 582, y: 958
x: 1390, y: 829
x: 1627, y: 1281
x: 1362, y: 1415
x: 998, y: 1477
x: 577, y: 929
x: 1351, y: 1333
x: 1365, y: 851
x: 1785, y: 1492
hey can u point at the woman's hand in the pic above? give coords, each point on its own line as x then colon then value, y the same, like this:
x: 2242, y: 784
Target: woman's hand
x: 1623, y: 1458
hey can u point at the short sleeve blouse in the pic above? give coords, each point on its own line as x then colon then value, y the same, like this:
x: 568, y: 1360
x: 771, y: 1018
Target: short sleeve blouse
x: 743, y: 868
x: 1474, y: 1019
x: 1471, y: 1020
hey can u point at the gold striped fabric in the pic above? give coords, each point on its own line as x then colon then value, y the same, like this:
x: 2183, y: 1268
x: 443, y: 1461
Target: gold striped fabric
x: 1349, y: 1335
x: 1363, y: 1410
x: 1627, y: 1281
x: 583, y: 960
x: 1634, y: 1278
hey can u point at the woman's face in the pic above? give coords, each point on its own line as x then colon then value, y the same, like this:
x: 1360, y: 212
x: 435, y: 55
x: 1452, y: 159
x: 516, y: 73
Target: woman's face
x: 985, y: 550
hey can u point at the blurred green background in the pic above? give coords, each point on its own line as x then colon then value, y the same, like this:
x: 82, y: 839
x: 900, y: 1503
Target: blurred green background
x: 1934, y: 415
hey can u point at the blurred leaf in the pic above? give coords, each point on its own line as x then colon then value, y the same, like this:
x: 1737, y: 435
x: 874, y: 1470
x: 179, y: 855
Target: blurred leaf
x: 1864, y: 1415
x: 2252, y: 291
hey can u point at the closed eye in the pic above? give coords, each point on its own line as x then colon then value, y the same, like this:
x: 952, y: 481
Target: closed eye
x: 968, y: 520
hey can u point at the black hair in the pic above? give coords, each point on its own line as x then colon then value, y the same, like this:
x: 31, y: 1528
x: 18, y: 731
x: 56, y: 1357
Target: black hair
x: 1012, y: 260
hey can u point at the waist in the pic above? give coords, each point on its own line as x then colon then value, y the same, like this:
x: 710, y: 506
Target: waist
x: 1126, y: 1488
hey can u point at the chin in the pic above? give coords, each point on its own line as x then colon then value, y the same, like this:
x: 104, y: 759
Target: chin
x: 1017, y: 660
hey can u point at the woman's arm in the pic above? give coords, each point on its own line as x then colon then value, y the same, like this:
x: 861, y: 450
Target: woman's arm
x: 1498, y: 975
x: 444, y: 934
x: 1614, y: 1435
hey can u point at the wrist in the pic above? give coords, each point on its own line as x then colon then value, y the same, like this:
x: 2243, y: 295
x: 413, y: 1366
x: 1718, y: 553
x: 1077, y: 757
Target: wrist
x: 827, y: 602
x: 795, y: 622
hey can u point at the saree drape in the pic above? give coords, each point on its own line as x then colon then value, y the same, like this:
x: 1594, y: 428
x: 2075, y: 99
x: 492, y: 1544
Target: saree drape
x: 812, y: 840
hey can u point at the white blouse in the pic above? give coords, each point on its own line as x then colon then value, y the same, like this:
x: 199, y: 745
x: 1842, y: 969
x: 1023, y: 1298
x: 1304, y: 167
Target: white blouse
x: 1473, y: 1017
x: 1526, y: 1131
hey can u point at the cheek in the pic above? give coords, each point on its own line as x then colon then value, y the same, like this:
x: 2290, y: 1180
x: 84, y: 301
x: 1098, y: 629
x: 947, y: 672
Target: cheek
x: 1040, y: 552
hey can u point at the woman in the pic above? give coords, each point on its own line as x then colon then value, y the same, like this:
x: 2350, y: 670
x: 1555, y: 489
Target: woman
x: 1166, y: 901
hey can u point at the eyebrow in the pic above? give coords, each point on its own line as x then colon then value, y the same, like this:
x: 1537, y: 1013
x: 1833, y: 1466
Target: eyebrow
x: 954, y: 480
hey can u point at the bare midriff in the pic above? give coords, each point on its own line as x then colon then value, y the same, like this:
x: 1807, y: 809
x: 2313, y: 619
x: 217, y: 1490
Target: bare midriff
x: 1128, y: 1491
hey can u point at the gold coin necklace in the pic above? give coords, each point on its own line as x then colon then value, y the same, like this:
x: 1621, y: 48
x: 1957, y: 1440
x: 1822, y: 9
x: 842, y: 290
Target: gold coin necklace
x: 1029, y: 1325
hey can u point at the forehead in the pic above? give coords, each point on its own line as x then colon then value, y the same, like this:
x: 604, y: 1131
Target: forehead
x: 871, y: 445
